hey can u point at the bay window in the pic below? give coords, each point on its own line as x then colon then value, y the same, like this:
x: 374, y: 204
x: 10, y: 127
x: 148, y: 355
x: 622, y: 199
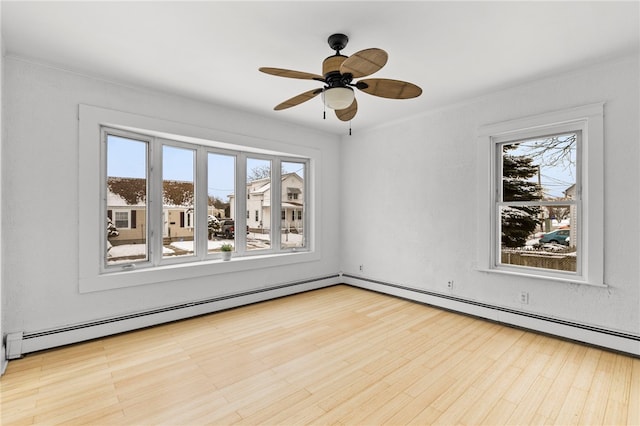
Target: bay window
x: 159, y: 198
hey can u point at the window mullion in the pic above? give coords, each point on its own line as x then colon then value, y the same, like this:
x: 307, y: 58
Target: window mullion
x: 276, y: 204
x: 155, y: 202
x: 201, y: 234
x: 241, y: 203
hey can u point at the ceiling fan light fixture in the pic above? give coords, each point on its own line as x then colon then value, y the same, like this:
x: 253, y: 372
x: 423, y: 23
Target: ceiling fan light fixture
x: 338, y: 97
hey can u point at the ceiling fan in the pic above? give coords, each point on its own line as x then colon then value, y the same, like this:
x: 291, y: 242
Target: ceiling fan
x: 338, y: 74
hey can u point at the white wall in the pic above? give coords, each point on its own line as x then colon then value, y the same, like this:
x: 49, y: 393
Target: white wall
x: 40, y: 198
x: 409, y: 200
x: 2, y: 53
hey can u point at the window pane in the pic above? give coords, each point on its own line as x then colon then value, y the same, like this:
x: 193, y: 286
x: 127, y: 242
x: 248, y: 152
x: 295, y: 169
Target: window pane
x: 178, y: 206
x: 292, y: 204
x: 535, y: 175
x: 221, y: 205
x: 539, y: 169
x: 539, y: 237
x: 126, y: 201
x: 259, y: 200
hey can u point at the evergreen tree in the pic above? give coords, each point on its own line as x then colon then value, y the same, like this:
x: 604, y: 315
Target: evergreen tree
x: 518, y: 222
x: 112, y: 231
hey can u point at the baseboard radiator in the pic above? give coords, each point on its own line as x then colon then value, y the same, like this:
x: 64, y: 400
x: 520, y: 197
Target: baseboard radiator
x: 609, y: 339
x: 21, y: 343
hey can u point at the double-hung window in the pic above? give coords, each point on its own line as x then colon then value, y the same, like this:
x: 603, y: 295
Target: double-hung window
x: 543, y: 183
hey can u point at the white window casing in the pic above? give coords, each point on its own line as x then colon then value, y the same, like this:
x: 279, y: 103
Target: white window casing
x: 94, y: 276
x: 588, y: 122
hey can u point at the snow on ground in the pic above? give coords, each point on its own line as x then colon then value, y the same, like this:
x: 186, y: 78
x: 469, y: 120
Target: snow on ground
x: 127, y: 250
x: 254, y: 241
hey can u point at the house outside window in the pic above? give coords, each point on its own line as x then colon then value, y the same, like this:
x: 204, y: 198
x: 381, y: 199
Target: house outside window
x: 544, y: 217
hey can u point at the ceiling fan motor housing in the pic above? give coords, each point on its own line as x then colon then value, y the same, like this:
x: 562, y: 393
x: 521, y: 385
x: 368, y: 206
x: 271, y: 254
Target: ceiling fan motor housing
x: 332, y: 64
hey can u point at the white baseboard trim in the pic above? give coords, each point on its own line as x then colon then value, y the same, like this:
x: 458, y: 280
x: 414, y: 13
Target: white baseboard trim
x: 39, y: 340
x: 596, y: 336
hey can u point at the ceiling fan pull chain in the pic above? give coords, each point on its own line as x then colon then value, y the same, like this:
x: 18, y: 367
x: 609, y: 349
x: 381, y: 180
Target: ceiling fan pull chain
x: 349, y: 127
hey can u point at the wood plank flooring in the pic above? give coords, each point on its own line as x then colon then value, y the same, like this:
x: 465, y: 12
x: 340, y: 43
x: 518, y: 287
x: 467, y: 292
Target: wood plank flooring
x: 338, y: 355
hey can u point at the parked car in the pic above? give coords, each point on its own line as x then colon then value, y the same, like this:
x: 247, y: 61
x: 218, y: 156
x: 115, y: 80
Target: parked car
x: 227, y: 228
x: 559, y: 236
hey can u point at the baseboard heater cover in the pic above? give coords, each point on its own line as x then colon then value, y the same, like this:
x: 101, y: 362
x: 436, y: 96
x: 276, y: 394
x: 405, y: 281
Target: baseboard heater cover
x: 610, y: 339
x: 26, y: 342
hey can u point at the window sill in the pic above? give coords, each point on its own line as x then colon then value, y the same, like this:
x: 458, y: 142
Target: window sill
x: 158, y: 274
x: 567, y: 280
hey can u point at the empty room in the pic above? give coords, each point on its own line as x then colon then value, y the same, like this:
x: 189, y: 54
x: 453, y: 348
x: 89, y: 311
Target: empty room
x: 457, y: 239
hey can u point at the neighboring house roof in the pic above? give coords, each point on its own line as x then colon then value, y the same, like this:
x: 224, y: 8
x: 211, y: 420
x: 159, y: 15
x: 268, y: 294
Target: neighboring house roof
x: 261, y: 186
x: 262, y: 189
x: 570, y: 191
x: 267, y: 186
x: 133, y: 192
x: 115, y: 200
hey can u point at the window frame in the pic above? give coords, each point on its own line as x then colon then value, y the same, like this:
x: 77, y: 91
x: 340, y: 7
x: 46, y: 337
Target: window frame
x: 588, y: 121
x: 157, y: 145
x: 498, y: 143
x: 103, y: 214
x: 92, y: 199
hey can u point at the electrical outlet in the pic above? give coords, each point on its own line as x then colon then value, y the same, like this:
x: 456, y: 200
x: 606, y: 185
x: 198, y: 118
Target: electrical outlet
x: 361, y: 268
x: 524, y: 297
x: 450, y: 284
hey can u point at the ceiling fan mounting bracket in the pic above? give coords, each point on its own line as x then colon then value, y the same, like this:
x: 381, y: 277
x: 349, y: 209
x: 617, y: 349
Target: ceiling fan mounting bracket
x: 338, y: 42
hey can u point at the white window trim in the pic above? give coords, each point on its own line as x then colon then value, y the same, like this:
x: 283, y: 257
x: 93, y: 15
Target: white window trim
x: 91, y: 278
x: 589, y: 119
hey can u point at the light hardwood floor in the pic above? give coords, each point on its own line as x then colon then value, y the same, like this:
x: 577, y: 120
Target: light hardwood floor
x: 339, y: 355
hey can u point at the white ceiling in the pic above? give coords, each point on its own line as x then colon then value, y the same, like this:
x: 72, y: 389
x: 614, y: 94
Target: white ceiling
x: 211, y: 51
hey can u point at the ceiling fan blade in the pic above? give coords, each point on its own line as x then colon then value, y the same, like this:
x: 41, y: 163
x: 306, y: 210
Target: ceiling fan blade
x: 348, y: 113
x: 297, y: 100
x: 386, y: 88
x: 364, y: 62
x: 281, y: 72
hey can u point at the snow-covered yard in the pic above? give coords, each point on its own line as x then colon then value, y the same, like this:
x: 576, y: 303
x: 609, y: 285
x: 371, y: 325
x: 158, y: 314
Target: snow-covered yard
x: 255, y: 241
